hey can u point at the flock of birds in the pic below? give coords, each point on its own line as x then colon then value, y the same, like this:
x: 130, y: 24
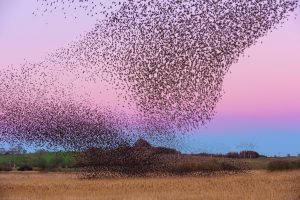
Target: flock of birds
x: 164, y: 61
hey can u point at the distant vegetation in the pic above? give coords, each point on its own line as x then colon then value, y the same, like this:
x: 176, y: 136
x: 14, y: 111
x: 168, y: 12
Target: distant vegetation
x: 241, y: 154
x: 37, y: 161
x: 140, y: 158
x: 280, y: 165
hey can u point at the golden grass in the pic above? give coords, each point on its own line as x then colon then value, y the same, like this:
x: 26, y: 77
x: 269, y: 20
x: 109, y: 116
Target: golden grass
x: 251, y: 186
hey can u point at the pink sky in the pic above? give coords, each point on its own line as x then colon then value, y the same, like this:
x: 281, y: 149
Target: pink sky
x: 266, y: 84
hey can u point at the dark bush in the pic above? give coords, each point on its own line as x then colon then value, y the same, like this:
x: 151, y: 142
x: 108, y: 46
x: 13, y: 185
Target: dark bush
x: 280, y: 165
x: 164, y: 150
x: 296, y: 164
x: 124, y: 159
x: 5, y: 167
x: 190, y: 167
x: 211, y: 166
x: 25, y: 168
x: 185, y: 168
x: 225, y: 166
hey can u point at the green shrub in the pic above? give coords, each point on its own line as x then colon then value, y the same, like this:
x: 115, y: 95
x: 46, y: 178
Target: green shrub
x: 56, y: 161
x: 40, y: 162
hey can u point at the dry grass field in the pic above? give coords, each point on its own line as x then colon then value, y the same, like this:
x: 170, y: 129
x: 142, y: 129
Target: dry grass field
x: 254, y: 185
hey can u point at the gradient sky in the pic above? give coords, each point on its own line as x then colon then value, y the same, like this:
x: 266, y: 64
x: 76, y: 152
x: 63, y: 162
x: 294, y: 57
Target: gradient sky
x: 261, y: 105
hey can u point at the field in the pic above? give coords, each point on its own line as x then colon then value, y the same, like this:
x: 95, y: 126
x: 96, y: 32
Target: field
x: 250, y: 186
x: 53, y: 175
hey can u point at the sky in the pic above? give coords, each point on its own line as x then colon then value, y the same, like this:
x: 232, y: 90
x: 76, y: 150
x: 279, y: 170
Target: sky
x: 260, y: 108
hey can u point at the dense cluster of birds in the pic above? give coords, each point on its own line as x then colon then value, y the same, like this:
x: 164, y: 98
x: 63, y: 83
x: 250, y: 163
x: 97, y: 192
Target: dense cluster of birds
x: 162, y: 61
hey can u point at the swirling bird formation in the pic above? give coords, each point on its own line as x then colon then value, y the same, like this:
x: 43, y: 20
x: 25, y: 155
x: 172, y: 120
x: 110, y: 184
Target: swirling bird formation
x: 165, y: 60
